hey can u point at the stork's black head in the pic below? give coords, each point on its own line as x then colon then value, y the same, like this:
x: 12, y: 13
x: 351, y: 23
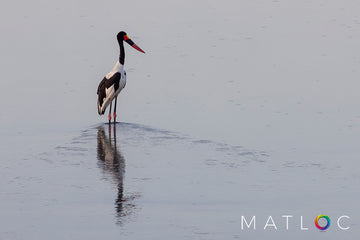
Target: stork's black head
x: 122, y: 36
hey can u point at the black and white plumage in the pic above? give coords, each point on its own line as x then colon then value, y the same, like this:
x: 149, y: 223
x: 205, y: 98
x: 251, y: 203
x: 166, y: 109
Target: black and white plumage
x: 110, y: 87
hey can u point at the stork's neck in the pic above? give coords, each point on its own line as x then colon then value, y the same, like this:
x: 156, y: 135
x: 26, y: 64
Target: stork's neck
x: 122, y: 53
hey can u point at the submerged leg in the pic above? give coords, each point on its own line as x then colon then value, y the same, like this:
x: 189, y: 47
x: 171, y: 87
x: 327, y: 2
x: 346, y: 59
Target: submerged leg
x: 110, y: 113
x: 115, y: 109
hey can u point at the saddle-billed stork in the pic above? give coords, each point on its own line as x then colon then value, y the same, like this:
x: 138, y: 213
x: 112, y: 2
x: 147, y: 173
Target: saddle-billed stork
x: 110, y: 87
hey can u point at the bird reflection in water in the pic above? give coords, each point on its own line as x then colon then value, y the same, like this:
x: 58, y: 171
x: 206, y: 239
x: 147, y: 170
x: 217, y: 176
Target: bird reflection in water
x: 113, y: 163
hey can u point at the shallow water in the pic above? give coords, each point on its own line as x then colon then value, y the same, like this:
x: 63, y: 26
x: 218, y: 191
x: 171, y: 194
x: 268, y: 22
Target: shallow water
x: 135, y: 181
x: 244, y: 108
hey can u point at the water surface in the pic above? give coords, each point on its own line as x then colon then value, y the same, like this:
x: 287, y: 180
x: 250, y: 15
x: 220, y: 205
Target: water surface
x: 237, y: 108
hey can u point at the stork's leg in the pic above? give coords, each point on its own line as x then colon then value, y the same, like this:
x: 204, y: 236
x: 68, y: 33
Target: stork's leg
x: 110, y: 113
x: 115, y: 110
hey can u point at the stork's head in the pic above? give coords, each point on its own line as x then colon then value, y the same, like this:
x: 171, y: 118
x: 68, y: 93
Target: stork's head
x: 122, y: 36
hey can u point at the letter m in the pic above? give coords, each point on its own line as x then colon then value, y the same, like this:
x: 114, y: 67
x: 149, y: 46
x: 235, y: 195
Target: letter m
x: 248, y: 225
